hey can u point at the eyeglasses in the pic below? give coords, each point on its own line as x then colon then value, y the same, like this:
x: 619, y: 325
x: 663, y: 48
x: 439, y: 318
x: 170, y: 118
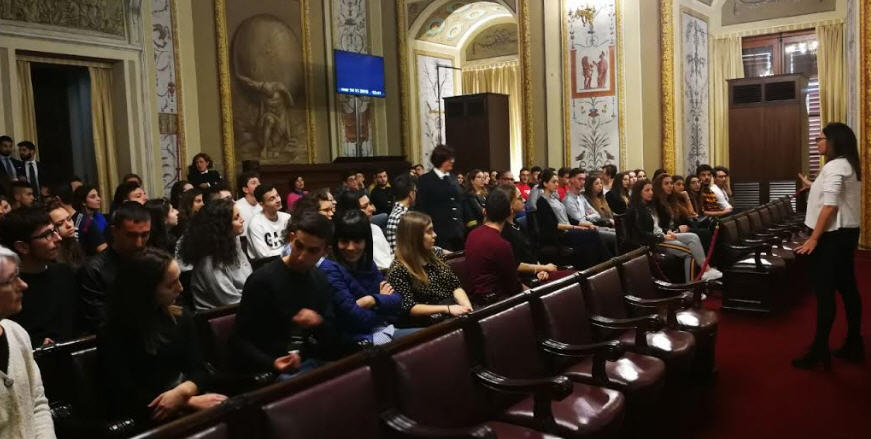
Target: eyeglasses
x: 12, y: 280
x: 819, y: 139
x: 48, y: 234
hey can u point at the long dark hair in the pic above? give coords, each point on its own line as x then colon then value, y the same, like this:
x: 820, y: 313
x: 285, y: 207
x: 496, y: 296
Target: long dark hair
x: 176, y: 191
x: 121, y: 193
x: 211, y: 234
x: 160, y: 236
x: 133, y: 306
x: 843, y: 144
x: 354, y: 226
x: 186, y: 208
x: 598, y: 201
x: 635, y: 201
x: 667, y: 204
x: 347, y: 201
x: 80, y: 197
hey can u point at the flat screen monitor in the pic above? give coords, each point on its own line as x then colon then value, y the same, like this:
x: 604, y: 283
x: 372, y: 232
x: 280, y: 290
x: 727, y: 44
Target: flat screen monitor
x: 359, y: 74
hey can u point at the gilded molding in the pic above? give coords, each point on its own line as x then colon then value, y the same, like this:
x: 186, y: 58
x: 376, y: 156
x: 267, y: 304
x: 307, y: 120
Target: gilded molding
x: 306, y: 59
x: 865, y: 117
x: 402, y: 48
x: 180, y: 133
x: 526, y: 76
x: 226, y: 100
x: 621, y: 94
x: 666, y: 37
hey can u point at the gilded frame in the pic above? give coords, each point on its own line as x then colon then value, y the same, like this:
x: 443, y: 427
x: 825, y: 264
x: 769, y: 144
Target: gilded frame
x: 226, y: 100
x: 524, y: 52
x: 865, y: 117
x: 666, y: 39
x: 566, y: 86
x: 180, y: 130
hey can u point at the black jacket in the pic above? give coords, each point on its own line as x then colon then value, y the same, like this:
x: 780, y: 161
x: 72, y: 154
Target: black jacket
x: 382, y: 198
x: 641, y: 227
x: 19, y: 169
x: 210, y: 177
x: 548, y: 232
x: 442, y: 200
x: 615, y: 202
x: 95, y: 280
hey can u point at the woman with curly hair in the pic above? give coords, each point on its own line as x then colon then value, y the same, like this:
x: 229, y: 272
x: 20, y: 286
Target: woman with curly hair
x: 211, y: 245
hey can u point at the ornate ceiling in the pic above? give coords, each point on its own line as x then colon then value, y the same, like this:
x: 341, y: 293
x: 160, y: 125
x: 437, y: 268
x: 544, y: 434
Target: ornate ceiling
x: 451, y: 22
x: 746, y: 11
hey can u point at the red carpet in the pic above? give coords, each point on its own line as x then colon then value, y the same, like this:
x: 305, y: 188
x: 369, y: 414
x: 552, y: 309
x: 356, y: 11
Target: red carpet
x: 759, y: 395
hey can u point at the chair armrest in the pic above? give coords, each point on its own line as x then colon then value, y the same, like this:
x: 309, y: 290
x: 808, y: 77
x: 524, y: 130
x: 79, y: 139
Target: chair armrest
x: 671, y: 305
x: 120, y: 427
x: 565, y: 267
x: 610, y: 350
x: 756, y: 248
x: 405, y: 426
x: 543, y: 390
x: 642, y: 325
x: 697, y: 287
x: 61, y: 411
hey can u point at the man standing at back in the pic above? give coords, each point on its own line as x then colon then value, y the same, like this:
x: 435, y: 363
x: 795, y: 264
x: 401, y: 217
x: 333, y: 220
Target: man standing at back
x: 33, y: 170
x: 130, y: 229
x: 440, y: 196
x: 10, y: 167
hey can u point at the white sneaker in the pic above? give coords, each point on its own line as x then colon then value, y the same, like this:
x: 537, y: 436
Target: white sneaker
x: 712, y: 274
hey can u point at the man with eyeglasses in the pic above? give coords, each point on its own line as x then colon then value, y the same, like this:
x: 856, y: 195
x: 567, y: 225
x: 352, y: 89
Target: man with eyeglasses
x: 130, y: 229
x: 49, y: 305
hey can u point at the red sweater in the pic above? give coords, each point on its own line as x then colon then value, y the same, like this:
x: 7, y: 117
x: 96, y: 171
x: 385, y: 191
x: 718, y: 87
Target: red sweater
x: 490, y: 264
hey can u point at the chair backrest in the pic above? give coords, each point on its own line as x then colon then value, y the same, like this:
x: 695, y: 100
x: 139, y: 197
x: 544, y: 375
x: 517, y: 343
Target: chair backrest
x: 564, y: 315
x: 339, y: 408
x: 433, y: 384
x: 728, y: 231
x: 218, y: 431
x: 604, y: 294
x: 510, y: 342
x: 458, y: 266
x: 215, y: 326
x: 637, y: 278
x: 89, y: 400
x: 755, y: 219
x: 743, y: 224
x: 623, y: 226
x: 765, y: 215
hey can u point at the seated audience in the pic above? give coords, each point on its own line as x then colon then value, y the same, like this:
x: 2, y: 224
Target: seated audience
x: 723, y: 182
x: 218, y: 191
x: 266, y: 229
x: 640, y: 175
x: 164, y: 218
x: 618, y: 196
x: 90, y: 223
x: 49, y: 306
x: 132, y: 178
x: 461, y: 180
x: 405, y: 190
x: 658, y: 172
x: 609, y: 177
x: 515, y: 234
x: 5, y: 207
x: 574, y: 198
x: 381, y: 251
x: 523, y: 183
x: 320, y: 201
x: 23, y: 406
x: 563, y: 182
x: 75, y: 183
x: 533, y: 175
x: 129, y: 191
x: 247, y: 204
x: 417, y: 170
x: 535, y: 192
x: 440, y: 197
x: 489, y: 258
x: 69, y: 250
x: 211, y: 246
x: 285, y: 321
x: 177, y: 189
x: 713, y: 199
x: 22, y: 194
x: 349, y: 184
x: 672, y: 214
x: 201, y: 174
x: 361, y: 183
x: 647, y: 231
x: 297, y: 190
x: 597, y: 212
x: 130, y: 229
x: 683, y: 196
x: 694, y: 193
x: 492, y: 179
x: 555, y: 228
x: 632, y: 179
x: 149, y: 357
x: 429, y: 289
x: 381, y: 193
x: 191, y: 203
x: 365, y: 304
x: 475, y: 199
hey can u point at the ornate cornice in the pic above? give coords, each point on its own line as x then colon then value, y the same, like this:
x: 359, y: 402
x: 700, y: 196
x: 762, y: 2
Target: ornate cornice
x: 526, y: 76
x: 666, y: 37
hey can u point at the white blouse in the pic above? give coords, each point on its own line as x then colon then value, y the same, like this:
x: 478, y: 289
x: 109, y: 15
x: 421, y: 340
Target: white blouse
x: 837, y: 185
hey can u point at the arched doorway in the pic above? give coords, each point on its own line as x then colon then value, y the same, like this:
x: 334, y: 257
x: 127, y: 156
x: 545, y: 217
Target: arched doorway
x: 458, y: 47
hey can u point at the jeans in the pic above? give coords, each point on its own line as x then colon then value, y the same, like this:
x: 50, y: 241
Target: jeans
x: 689, y: 247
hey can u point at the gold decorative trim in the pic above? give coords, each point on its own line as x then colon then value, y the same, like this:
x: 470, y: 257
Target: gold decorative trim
x: 865, y: 117
x: 402, y: 49
x: 523, y: 33
x: 180, y: 133
x: 666, y: 39
x: 621, y: 89
x: 226, y: 99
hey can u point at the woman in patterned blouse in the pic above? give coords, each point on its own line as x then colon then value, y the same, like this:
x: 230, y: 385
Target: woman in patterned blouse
x: 428, y: 287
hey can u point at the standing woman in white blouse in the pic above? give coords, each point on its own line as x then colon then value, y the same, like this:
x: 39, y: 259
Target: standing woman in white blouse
x: 834, y: 213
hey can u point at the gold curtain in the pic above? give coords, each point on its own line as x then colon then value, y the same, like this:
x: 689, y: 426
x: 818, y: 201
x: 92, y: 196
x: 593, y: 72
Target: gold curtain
x: 726, y: 64
x: 832, y: 68
x: 104, y: 134
x: 28, y: 108
x: 501, y: 78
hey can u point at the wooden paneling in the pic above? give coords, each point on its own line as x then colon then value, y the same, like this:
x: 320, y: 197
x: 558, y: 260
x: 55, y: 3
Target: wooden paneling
x: 331, y: 174
x: 476, y: 126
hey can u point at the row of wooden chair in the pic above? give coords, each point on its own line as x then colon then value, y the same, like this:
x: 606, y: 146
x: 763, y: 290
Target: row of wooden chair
x: 571, y: 358
x: 755, y: 252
